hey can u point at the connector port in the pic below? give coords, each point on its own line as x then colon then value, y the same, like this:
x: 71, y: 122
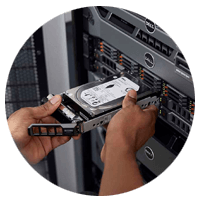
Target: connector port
x: 181, y: 63
x: 173, y: 119
x: 151, y: 41
x: 106, y: 71
x: 185, y: 114
x: 178, y: 122
x: 154, y: 43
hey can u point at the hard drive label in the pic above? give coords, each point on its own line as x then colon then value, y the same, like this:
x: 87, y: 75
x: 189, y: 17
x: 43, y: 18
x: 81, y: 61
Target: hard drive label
x: 108, y: 91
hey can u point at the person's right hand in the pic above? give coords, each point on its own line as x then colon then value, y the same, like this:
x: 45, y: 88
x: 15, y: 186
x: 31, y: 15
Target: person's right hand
x: 130, y: 128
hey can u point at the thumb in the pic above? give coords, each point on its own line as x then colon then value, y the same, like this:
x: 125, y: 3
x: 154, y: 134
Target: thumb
x: 48, y: 108
x: 130, y: 99
x: 102, y: 155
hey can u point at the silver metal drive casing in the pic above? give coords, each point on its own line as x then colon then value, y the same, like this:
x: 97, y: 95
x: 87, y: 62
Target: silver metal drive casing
x: 106, y: 94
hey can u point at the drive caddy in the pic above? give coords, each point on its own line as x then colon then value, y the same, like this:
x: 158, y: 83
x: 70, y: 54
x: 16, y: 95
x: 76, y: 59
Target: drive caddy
x: 88, y: 106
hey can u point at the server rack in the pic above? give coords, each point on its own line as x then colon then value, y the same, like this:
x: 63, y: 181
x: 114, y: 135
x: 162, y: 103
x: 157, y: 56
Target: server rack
x: 98, y: 42
x: 111, y: 40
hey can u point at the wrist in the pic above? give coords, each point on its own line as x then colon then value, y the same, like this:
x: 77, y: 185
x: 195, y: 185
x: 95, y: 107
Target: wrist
x: 119, y: 153
x: 121, y: 140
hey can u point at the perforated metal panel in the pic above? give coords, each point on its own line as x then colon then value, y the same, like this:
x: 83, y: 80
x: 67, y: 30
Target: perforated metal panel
x: 22, y: 86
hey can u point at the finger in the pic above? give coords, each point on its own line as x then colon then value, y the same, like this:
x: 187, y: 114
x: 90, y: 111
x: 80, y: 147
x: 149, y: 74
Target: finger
x: 48, y: 108
x: 77, y: 137
x: 48, y: 120
x: 102, y: 155
x: 130, y: 99
x: 59, y: 140
x: 105, y: 126
x: 152, y: 109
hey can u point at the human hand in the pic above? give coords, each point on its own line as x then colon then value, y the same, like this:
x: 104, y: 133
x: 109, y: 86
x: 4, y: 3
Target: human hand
x: 130, y: 128
x: 35, y: 148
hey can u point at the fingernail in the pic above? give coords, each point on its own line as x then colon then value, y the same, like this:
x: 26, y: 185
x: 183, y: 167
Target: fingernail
x: 54, y: 99
x: 132, y: 94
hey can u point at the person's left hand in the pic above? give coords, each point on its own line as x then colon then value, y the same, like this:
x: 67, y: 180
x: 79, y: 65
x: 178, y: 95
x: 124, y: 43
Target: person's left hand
x: 35, y: 148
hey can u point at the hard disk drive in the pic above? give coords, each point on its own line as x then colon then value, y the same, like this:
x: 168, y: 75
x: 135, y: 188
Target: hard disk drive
x: 88, y: 106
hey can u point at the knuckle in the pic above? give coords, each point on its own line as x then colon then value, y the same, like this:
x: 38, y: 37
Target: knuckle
x: 25, y: 111
x: 137, y: 107
x: 153, y: 112
x: 45, y: 107
x: 155, y: 109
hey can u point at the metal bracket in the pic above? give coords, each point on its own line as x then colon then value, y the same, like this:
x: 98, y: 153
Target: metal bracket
x: 71, y: 129
x: 76, y: 127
